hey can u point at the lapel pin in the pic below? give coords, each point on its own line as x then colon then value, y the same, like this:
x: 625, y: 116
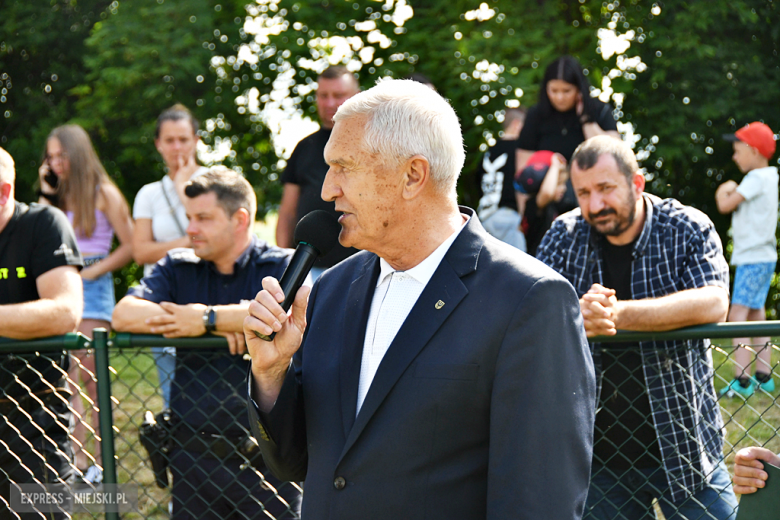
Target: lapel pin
x: 439, y: 305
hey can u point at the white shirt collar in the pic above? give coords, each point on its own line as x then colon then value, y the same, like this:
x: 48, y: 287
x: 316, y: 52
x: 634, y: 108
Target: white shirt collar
x: 423, y: 271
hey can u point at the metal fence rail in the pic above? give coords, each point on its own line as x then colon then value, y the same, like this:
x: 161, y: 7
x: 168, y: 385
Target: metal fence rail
x: 38, y: 413
x: 128, y: 384
x: 213, y: 463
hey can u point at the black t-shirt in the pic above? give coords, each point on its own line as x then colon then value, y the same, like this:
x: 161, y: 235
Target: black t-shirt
x: 624, y: 434
x: 307, y: 168
x: 561, y: 132
x: 36, y: 240
x: 498, y: 161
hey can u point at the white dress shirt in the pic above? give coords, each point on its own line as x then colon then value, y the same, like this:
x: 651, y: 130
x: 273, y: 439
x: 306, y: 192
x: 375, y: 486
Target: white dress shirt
x: 395, y: 295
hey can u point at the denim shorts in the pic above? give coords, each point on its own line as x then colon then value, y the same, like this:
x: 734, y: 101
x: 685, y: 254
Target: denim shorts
x: 99, y: 297
x: 751, y: 284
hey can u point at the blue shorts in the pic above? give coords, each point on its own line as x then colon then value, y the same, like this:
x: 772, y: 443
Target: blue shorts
x: 751, y: 284
x: 99, y: 297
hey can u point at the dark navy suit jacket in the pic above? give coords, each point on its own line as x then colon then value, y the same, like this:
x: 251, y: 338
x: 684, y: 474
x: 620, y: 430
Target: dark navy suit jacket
x: 482, y: 408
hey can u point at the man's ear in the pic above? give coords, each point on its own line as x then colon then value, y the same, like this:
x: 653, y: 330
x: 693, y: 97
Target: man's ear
x: 417, y: 175
x: 5, y: 192
x: 242, y: 218
x: 638, y: 183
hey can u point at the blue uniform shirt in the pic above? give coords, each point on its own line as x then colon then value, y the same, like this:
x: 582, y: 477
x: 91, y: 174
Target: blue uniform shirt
x: 208, y: 391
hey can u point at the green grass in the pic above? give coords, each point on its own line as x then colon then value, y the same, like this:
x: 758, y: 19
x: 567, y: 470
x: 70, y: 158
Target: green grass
x: 135, y: 389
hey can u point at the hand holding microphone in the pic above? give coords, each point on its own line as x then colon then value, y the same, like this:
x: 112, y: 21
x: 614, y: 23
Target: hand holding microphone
x: 315, y: 235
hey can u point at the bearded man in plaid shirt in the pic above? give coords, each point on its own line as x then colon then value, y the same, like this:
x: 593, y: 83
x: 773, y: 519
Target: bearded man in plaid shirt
x: 641, y: 263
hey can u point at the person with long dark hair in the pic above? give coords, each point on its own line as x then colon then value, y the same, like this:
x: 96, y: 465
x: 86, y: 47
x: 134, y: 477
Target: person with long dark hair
x: 73, y: 179
x: 565, y: 116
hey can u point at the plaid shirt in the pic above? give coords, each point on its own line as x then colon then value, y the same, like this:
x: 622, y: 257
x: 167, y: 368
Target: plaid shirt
x: 678, y: 249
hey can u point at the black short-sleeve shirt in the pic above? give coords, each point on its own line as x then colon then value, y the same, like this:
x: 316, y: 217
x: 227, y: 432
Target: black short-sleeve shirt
x: 307, y: 168
x: 36, y: 240
x: 208, y: 392
x: 561, y: 132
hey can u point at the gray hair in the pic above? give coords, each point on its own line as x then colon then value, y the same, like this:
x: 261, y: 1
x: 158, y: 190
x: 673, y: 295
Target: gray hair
x: 406, y: 118
x: 587, y: 154
x: 7, y: 170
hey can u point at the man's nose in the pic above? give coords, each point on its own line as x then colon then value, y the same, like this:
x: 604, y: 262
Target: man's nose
x: 330, y: 189
x: 596, y: 203
x: 192, y: 228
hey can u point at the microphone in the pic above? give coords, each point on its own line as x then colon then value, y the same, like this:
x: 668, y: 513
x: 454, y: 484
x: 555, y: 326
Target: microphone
x: 315, y: 235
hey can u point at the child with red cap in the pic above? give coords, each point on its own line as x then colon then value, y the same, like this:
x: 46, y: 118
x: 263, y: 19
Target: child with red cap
x: 754, y: 204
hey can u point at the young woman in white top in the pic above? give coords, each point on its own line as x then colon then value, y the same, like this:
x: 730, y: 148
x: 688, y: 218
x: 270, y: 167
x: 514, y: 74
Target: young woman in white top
x: 160, y: 219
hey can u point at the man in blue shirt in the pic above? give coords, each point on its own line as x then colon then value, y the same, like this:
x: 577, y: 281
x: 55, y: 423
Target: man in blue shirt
x: 642, y: 263
x: 207, y: 289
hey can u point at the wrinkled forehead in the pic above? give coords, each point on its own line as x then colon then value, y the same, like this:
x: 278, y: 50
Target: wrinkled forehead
x: 604, y: 169
x: 346, y: 140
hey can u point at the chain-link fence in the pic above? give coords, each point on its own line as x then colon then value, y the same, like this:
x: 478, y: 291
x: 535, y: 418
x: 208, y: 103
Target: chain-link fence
x: 658, y: 443
x: 196, y: 455
x: 48, y: 417
x: 199, y: 458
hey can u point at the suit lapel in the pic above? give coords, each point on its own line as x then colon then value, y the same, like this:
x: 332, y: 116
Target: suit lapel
x: 425, y: 318
x: 356, y: 311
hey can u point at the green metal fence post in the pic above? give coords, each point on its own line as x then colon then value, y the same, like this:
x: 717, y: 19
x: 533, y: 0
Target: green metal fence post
x: 100, y: 344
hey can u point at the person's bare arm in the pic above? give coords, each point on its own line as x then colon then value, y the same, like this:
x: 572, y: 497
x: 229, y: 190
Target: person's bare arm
x: 288, y: 210
x: 58, y: 311
x: 118, y: 214
x: 604, y: 315
x: 548, y: 187
x: 131, y: 315
x: 187, y: 320
x: 727, y: 197
x: 271, y: 359
x: 145, y: 249
x: 521, y: 157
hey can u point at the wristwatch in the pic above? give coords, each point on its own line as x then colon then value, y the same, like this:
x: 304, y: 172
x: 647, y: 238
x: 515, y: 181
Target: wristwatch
x: 210, y: 319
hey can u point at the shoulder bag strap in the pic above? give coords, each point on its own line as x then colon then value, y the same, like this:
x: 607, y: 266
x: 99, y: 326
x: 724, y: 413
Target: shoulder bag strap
x: 173, y: 211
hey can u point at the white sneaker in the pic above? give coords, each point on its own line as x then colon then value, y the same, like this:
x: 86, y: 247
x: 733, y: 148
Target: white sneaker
x: 94, y: 475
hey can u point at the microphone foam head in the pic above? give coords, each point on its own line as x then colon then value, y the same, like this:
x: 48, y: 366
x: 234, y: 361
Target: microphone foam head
x: 319, y: 229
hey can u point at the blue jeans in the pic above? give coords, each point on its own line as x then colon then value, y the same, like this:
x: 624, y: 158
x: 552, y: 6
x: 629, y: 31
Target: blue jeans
x: 629, y: 496
x: 165, y: 359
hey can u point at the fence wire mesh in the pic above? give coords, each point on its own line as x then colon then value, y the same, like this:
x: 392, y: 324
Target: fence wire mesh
x: 629, y: 478
x: 214, y: 469
x: 48, y: 422
x: 195, y: 458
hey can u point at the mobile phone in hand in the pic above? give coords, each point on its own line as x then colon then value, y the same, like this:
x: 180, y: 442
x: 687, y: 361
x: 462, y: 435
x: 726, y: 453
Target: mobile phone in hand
x: 51, y: 179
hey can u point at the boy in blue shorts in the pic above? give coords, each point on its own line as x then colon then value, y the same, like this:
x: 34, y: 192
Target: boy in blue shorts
x: 754, y: 204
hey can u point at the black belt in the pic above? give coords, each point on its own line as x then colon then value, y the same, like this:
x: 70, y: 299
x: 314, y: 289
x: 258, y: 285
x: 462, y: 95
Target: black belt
x: 28, y: 404
x: 219, y: 447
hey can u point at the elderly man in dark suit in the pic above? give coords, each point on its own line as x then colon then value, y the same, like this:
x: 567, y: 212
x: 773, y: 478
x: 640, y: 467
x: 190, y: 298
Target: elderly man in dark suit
x: 438, y: 374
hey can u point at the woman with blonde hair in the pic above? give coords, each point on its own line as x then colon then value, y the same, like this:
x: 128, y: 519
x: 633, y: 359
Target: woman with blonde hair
x: 73, y: 179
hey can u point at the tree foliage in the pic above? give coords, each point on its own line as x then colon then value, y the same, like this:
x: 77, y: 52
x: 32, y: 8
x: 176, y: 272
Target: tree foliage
x: 678, y: 74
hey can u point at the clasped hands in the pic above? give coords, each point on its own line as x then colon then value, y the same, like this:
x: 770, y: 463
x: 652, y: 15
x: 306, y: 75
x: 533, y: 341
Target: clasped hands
x: 186, y: 321
x: 599, y: 308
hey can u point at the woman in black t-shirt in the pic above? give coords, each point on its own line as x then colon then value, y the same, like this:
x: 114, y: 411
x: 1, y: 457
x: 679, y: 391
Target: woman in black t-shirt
x: 565, y: 116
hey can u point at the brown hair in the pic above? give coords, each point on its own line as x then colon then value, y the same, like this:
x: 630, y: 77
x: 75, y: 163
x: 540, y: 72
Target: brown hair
x: 78, y: 190
x: 587, y: 155
x: 176, y: 113
x: 232, y: 190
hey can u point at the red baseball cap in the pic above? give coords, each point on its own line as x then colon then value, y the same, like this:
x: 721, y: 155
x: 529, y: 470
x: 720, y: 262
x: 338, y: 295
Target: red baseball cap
x: 756, y: 134
x: 529, y: 179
